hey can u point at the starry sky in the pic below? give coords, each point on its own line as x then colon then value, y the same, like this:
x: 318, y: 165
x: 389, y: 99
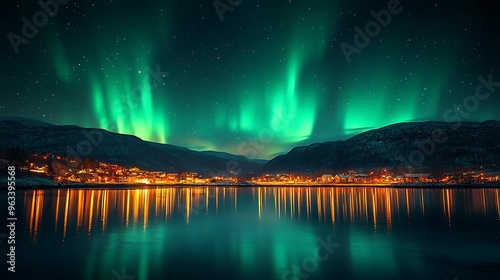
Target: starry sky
x: 255, y: 78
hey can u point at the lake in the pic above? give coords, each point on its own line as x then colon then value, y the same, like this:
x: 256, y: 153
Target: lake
x: 256, y: 233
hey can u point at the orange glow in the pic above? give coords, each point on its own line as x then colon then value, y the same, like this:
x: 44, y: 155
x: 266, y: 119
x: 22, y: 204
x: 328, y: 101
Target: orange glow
x: 332, y: 207
x: 308, y: 202
x: 374, y: 208
x: 146, y: 209
x: 206, y: 199
x: 388, y: 209
x: 91, y: 211
x: 66, y: 210
x: 79, y: 210
x: 318, y: 203
x: 216, y: 200
x: 127, y: 214
x: 188, y: 204
x: 284, y: 199
x: 38, y: 212
x: 32, y: 213
x: 259, y: 201
x: 363, y: 205
x: 104, y: 212
x: 57, y: 210
x: 279, y: 204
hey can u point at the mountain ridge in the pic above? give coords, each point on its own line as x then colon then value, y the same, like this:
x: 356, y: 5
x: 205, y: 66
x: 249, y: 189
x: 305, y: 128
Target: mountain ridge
x: 468, y: 143
x: 392, y: 146
x: 78, y: 143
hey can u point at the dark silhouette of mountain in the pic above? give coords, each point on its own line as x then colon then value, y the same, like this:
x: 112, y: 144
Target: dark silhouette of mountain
x: 79, y: 143
x: 229, y: 156
x: 419, y: 145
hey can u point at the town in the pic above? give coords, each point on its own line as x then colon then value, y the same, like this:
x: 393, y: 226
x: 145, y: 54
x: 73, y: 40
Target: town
x: 94, y: 172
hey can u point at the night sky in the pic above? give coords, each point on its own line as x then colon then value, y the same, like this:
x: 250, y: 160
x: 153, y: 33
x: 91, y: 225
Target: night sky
x: 272, y: 73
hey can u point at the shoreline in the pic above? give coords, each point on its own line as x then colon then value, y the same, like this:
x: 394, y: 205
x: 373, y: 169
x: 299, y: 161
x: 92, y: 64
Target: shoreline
x: 55, y: 185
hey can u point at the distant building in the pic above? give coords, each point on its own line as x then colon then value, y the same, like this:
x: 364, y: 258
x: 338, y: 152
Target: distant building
x: 359, y: 178
x: 327, y: 178
x: 201, y: 181
x: 283, y: 177
x: 188, y: 177
x: 418, y: 177
x: 84, y: 177
x: 173, y: 178
x: 341, y: 178
x: 492, y: 176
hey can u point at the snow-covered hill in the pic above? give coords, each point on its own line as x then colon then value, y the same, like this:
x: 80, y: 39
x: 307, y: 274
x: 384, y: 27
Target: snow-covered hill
x: 76, y: 142
x: 420, y: 145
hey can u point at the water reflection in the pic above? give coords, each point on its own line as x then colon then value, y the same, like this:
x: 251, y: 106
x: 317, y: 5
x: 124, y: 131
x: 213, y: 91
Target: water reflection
x: 90, y: 210
x: 258, y: 232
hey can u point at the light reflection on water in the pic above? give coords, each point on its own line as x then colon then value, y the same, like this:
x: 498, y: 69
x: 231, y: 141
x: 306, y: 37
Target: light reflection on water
x: 260, y: 232
x: 88, y: 208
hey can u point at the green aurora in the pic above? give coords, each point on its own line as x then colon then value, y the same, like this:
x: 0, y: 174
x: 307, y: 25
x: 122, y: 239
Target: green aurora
x: 269, y: 75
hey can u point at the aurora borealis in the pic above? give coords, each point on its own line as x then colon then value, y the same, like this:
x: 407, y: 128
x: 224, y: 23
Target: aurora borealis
x: 271, y: 72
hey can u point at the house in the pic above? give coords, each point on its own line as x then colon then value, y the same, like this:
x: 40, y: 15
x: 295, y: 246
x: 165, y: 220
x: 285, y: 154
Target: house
x: 359, y: 178
x: 173, y: 178
x: 201, y: 181
x: 418, y: 177
x: 188, y: 177
x: 492, y: 176
x: 341, y: 178
x: 327, y: 178
x: 84, y: 177
x: 283, y: 177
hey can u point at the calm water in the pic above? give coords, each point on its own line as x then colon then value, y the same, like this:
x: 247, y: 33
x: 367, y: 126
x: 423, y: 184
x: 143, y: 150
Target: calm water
x: 257, y: 233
